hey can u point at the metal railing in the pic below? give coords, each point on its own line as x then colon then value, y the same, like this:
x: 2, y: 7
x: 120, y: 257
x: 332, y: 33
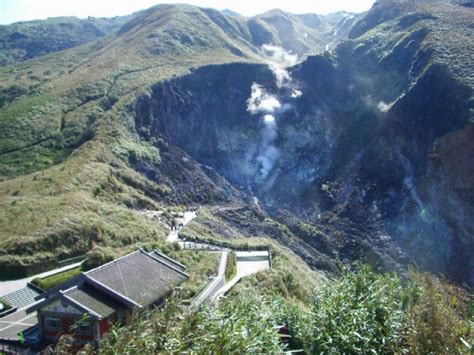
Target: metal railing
x: 222, y: 245
x: 12, y: 346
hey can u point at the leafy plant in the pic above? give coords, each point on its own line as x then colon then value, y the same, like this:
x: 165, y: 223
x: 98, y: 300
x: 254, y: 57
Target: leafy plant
x: 231, y: 267
x: 437, y: 318
x: 362, y: 313
x: 244, y: 325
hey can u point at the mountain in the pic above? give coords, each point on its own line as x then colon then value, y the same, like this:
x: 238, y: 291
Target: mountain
x: 367, y: 156
x: 363, y: 154
x: 303, y: 33
x: 229, y: 12
x: 26, y: 40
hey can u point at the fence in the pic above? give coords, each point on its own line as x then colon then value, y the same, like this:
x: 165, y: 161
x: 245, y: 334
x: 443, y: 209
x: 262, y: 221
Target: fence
x: 188, y: 241
x: 12, y: 346
x: 74, y: 259
x: 201, y: 246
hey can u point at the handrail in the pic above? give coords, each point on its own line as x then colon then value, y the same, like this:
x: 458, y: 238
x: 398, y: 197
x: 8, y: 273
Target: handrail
x: 196, y: 239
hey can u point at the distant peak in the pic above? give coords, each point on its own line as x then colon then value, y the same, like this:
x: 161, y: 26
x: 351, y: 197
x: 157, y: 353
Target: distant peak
x: 229, y: 12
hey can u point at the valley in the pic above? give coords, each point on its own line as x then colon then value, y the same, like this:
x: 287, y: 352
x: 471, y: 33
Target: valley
x: 336, y: 141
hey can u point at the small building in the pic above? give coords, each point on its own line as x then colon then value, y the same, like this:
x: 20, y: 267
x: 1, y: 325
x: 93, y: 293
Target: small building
x: 88, y: 305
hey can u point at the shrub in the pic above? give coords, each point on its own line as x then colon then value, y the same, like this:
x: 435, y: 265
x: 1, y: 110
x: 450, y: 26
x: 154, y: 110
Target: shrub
x: 244, y: 325
x: 10, y: 93
x: 52, y: 281
x: 4, y: 305
x: 96, y: 257
x: 231, y: 267
x: 436, y: 318
x: 362, y: 313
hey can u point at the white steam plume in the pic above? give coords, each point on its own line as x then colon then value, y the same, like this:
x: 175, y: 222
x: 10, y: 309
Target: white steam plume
x: 295, y: 93
x: 383, y: 107
x: 279, y: 60
x: 261, y: 101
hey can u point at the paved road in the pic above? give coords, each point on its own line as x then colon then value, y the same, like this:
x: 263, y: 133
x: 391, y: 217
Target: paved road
x: 248, y: 263
x: 187, y: 217
x: 214, y: 286
x: 7, y: 287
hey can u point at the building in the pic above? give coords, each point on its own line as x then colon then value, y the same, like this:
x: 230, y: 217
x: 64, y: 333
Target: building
x: 89, y: 304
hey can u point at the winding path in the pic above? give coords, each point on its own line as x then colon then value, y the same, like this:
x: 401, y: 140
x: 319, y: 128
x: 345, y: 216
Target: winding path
x: 248, y: 263
x: 213, y: 287
x: 188, y: 216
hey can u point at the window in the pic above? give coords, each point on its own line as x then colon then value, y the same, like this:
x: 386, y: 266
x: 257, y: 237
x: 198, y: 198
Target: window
x: 53, y: 323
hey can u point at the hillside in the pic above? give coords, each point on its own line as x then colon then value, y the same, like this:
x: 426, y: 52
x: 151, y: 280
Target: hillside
x: 366, y: 158
x: 363, y: 148
x: 336, y: 141
x: 26, y: 40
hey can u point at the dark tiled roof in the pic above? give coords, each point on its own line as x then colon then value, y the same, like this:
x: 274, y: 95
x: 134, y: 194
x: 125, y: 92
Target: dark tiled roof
x: 139, y: 276
x: 93, y: 300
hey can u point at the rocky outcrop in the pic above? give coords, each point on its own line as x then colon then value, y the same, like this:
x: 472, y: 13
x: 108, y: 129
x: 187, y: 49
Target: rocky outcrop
x: 363, y: 168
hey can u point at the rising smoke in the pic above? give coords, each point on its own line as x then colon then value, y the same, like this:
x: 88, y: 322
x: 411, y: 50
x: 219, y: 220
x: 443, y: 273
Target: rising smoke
x: 269, y: 106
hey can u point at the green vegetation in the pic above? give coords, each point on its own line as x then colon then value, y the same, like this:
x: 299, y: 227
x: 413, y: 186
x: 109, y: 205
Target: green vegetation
x: 231, y: 267
x: 440, y: 315
x: 200, y: 265
x: 363, y: 312
x: 49, y: 282
x: 4, y: 305
x: 69, y: 152
x: 75, y: 177
x: 97, y: 257
x: 11, y: 93
x: 366, y: 312
x: 28, y: 39
x: 246, y: 325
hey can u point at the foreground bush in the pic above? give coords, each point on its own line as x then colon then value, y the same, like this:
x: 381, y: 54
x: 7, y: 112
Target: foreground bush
x: 437, y: 318
x: 366, y: 312
x: 363, y: 312
x: 246, y: 325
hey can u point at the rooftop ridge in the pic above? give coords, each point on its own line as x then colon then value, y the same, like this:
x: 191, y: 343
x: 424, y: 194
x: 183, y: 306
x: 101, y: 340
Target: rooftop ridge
x: 167, y: 265
x: 66, y: 291
x: 80, y: 305
x: 168, y: 258
x: 110, y: 263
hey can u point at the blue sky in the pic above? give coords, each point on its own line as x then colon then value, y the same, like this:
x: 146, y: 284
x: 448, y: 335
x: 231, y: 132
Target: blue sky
x: 22, y: 10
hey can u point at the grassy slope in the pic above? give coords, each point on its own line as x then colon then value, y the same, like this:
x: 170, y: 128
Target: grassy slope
x: 25, y: 40
x: 67, y: 184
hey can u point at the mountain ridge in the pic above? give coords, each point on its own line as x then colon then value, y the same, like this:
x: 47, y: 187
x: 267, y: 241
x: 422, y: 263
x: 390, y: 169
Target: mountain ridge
x: 135, y: 120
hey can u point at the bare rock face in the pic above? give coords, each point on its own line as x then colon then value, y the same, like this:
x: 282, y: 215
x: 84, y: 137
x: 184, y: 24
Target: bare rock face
x: 373, y: 151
